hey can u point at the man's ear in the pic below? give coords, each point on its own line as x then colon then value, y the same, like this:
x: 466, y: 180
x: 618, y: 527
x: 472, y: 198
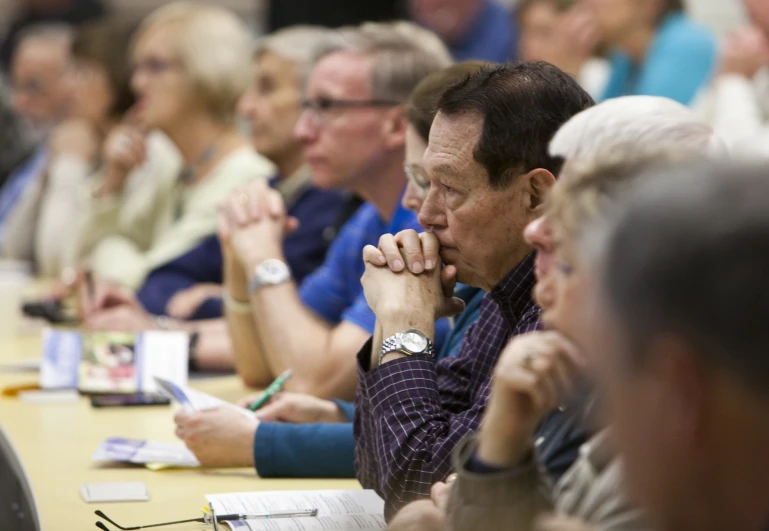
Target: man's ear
x: 394, y: 128
x: 539, y: 182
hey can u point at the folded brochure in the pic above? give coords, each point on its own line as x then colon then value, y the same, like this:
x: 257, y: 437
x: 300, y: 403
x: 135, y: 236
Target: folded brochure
x: 109, y: 362
x: 153, y: 454
x: 193, y: 400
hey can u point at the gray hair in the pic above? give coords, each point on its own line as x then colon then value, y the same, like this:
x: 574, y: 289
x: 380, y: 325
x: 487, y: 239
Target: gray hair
x: 688, y: 256
x: 649, y: 122
x: 402, y: 53
x: 299, y: 44
x: 59, y: 34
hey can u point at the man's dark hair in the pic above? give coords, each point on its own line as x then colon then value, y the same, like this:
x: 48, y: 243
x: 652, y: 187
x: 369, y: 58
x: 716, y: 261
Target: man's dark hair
x: 689, y: 256
x: 522, y: 105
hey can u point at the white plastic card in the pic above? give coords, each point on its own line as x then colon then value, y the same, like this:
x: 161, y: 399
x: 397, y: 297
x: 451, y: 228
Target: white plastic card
x: 114, y: 492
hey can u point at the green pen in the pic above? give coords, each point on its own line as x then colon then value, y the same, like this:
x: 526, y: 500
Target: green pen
x: 271, y: 390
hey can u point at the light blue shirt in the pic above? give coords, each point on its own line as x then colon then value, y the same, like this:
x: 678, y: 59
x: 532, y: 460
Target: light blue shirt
x: 679, y: 62
x: 18, y: 182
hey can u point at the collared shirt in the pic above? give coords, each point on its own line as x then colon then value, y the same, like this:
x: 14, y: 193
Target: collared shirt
x: 412, y: 412
x: 18, y: 182
x: 679, y: 62
x: 492, y: 37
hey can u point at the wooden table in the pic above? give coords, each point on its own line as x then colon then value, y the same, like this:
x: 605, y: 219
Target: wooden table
x: 55, y: 443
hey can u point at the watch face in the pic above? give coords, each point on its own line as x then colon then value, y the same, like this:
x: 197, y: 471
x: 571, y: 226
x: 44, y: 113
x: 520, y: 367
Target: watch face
x: 273, y: 271
x: 414, y: 342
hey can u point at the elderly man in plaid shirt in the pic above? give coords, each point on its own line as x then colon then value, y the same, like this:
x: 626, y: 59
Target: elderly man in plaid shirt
x: 489, y: 173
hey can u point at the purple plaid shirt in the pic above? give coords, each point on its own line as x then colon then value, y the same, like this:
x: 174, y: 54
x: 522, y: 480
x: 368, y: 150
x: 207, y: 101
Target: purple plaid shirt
x: 412, y: 412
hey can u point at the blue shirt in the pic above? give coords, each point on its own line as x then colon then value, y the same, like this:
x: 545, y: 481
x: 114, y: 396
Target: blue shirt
x: 304, y: 250
x: 328, y: 450
x: 334, y: 291
x: 18, y: 182
x: 680, y: 61
x: 493, y: 36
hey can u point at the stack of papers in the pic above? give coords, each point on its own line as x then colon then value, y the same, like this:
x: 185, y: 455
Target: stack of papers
x: 337, y: 509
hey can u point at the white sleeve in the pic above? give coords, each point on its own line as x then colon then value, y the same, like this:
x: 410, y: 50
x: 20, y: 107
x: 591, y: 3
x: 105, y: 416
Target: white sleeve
x: 738, y: 117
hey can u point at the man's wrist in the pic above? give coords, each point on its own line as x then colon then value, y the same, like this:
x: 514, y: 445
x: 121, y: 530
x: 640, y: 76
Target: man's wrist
x: 402, y: 317
x: 503, y: 449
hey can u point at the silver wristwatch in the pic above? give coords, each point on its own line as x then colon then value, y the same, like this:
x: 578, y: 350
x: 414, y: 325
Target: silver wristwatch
x: 269, y: 273
x: 410, y: 342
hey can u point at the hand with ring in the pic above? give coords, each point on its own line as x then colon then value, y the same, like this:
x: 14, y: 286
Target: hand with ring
x: 535, y: 372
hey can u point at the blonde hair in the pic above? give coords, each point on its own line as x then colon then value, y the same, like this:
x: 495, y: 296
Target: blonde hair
x: 214, y: 47
x: 589, y: 189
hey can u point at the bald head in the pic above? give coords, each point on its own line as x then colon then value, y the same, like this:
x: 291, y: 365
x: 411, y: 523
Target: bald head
x: 38, y: 81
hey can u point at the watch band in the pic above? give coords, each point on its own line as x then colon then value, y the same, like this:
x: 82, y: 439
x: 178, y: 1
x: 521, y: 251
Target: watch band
x: 395, y: 343
x: 271, y: 272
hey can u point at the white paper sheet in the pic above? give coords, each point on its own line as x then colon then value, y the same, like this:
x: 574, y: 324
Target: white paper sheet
x: 137, y: 451
x: 337, y: 509
x: 192, y: 400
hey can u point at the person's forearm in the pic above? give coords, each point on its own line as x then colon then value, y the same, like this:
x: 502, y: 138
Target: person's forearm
x: 247, y: 353
x: 294, y: 338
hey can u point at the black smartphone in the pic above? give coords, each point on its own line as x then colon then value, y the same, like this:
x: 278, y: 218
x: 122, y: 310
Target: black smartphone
x: 135, y: 399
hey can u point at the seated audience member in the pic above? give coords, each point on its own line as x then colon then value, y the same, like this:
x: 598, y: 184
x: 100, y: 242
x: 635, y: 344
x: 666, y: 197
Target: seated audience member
x: 272, y: 104
x: 475, y: 29
x: 32, y: 13
x: 17, y: 145
x: 737, y: 102
x: 191, y: 66
x: 499, y: 485
x: 562, y: 33
x: 40, y: 97
x: 482, y: 194
x: 301, y: 435
x: 353, y: 129
x: 45, y: 226
x: 680, y: 351
x: 655, y: 49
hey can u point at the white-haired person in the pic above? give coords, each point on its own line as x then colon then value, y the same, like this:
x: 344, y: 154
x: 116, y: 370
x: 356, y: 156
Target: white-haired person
x: 191, y: 64
x: 499, y: 483
x: 737, y: 101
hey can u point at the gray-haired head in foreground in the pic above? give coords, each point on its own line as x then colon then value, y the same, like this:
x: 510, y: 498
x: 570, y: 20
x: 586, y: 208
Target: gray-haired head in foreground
x: 402, y: 54
x: 648, y: 122
x: 689, y: 256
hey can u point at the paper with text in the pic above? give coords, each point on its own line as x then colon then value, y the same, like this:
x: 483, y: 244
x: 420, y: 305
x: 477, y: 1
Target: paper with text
x: 119, y: 449
x: 337, y: 509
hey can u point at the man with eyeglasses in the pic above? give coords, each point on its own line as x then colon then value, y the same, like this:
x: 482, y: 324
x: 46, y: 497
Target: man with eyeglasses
x: 353, y: 130
x: 40, y: 97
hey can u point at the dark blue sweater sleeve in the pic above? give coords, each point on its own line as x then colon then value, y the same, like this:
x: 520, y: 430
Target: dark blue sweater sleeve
x: 304, y: 450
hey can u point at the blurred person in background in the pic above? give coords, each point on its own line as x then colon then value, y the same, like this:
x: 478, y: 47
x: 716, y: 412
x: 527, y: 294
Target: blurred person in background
x: 331, y: 13
x: 16, y: 143
x: 40, y: 96
x: 472, y: 29
x: 272, y: 105
x: 353, y: 129
x: 655, y: 49
x: 737, y: 101
x: 191, y: 65
x: 45, y: 225
x: 299, y: 435
x: 680, y: 352
x: 562, y: 33
x: 35, y: 12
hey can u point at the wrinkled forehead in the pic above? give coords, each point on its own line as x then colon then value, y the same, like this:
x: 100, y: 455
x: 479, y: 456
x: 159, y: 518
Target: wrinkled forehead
x: 451, y: 144
x: 342, y: 74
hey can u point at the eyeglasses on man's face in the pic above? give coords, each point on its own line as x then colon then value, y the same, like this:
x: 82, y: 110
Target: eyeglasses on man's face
x: 321, y: 108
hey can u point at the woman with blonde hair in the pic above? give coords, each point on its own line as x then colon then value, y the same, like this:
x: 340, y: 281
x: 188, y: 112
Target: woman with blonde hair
x: 191, y: 64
